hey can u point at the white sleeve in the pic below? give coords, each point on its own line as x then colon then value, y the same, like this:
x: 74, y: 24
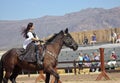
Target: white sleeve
x: 30, y: 35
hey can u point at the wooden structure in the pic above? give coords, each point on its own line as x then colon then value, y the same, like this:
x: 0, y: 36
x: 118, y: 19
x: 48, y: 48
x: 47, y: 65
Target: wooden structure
x: 102, y: 35
x: 103, y: 73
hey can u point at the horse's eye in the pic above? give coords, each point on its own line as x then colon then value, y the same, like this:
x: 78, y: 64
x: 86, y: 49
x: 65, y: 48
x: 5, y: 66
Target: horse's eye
x: 68, y: 40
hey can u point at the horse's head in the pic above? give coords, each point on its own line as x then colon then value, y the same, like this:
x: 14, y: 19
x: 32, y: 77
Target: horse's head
x: 69, y: 41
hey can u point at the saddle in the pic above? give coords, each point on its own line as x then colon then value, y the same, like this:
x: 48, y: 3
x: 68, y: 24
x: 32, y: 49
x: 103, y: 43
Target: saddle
x: 30, y: 56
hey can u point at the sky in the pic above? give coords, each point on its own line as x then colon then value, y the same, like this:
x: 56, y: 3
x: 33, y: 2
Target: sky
x: 30, y: 9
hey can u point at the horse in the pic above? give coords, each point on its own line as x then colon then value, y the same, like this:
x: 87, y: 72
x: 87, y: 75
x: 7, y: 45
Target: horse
x: 12, y: 65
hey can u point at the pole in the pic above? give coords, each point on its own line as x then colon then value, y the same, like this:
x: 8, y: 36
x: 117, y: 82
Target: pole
x: 74, y: 67
x: 103, y: 73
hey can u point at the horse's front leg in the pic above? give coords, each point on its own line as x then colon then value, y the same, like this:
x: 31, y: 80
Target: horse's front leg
x: 57, y: 77
x: 53, y: 79
x: 47, y: 77
x: 55, y: 74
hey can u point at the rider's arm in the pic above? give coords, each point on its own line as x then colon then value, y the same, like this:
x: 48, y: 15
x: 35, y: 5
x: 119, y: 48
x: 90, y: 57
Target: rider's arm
x: 30, y: 36
x: 34, y: 39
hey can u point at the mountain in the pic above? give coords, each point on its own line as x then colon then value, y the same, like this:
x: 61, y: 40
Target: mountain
x: 87, y: 19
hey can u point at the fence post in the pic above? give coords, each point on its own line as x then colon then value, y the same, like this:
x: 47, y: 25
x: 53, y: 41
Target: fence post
x: 103, y: 73
x: 28, y: 74
x: 74, y: 67
x: 22, y: 72
x: 68, y: 69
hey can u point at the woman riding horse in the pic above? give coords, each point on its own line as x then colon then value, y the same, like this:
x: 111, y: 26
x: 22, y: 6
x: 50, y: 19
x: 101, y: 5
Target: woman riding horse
x: 12, y: 65
x: 31, y: 44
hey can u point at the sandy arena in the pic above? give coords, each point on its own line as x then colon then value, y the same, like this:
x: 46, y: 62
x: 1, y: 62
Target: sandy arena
x: 70, y: 78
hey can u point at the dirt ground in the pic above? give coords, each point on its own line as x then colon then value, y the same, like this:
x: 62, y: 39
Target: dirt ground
x: 71, y: 78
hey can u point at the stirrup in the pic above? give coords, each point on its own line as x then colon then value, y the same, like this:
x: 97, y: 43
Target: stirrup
x: 40, y: 65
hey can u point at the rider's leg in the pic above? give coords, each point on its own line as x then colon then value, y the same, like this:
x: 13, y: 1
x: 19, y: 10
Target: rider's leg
x: 38, y: 55
x: 30, y: 50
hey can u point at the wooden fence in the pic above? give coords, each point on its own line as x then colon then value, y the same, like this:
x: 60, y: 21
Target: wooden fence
x: 75, y: 66
x: 102, y: 35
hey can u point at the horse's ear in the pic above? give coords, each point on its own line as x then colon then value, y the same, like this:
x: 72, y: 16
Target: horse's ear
x: 66, y: 30
x: 61, y: 31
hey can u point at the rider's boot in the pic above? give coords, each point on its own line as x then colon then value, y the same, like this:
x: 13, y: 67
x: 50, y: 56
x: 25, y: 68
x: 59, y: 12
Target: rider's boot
x: 38, y: 58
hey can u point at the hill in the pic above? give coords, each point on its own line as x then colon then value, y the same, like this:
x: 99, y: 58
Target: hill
x: 87, y: 19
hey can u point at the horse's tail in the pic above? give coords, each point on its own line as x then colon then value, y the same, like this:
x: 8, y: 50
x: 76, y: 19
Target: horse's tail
x: 1, y: 71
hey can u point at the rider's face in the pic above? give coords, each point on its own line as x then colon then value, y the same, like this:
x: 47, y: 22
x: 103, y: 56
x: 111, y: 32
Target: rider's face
x: 32, y: 28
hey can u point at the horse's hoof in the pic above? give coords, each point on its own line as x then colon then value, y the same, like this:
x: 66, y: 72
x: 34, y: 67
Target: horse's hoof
x: 13, y: 81
x: 5, y: 80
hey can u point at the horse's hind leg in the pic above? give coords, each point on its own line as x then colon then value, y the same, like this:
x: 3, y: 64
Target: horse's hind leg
x: 7, y: 76
x: 15, y: 74
x: 40, y: 77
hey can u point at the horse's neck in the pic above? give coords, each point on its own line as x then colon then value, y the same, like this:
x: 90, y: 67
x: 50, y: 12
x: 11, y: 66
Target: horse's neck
x: 57, y: 45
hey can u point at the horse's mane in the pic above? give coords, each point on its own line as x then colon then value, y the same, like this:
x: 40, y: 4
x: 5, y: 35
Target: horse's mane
x: 52, y: 38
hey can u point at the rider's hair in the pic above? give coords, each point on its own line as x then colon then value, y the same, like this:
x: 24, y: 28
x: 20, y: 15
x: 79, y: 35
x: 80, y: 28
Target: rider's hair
x: 25, y: 31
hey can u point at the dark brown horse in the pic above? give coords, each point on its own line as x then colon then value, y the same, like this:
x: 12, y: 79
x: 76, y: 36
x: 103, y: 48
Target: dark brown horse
x: 12, y: 65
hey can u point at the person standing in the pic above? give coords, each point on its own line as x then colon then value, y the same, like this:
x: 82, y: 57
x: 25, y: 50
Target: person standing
x: 113, y: 37
x: 93, y: 41
x: 118, y: 38
x: 80, y: 63
x: 85, y: 41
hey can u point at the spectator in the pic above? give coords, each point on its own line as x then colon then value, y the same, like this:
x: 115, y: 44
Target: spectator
x: 96, y: 57
x: 118, y: 38
x: 85, y: 41
x: 80, y: 64
x: 112, y: 61
x: 80, y: 58
x: 113, y: 37
x: 86, y: 58
x: 93, y: 41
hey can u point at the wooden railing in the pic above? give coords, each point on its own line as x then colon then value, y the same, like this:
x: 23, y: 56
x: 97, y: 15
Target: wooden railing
x: 75, y: 66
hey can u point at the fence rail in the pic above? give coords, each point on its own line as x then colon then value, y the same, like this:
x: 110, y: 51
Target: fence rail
x: 75, y: 64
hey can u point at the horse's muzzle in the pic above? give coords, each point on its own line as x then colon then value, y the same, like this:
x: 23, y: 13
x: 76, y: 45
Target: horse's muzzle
x: 75, y: 47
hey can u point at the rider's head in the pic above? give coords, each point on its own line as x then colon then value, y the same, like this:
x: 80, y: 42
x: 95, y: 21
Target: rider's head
x: 30, y: 27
